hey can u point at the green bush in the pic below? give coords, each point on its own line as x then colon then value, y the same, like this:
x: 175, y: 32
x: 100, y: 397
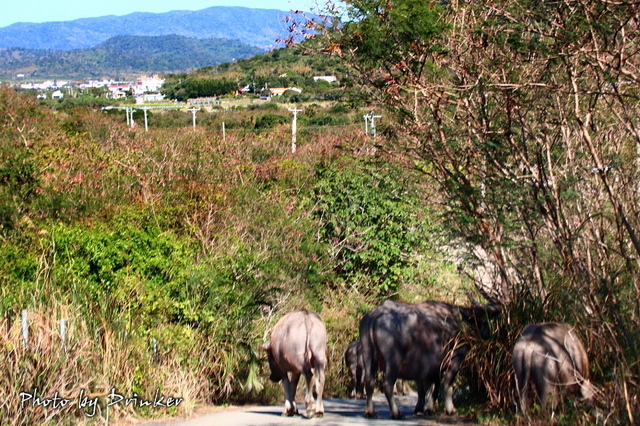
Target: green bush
x: 371, y: 218
x: 269, y: 121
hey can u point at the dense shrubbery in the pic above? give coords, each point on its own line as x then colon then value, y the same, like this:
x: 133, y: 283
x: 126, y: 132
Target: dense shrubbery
x: 524, y: 115
x: 193, y: 87
x: 169, y: 254
x: 373, y: 224
x: 285, y: 68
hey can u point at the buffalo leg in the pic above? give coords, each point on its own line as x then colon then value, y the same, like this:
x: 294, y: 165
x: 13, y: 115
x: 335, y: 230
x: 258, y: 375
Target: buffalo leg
x: 308, y: 397
x: 319, y: 392
x: 353, y: 370
x: 521, y: 385
x: 359, y: 386
x: 290, y: 408
x: 421, y: 397
x: 389, y: 386
x: 427, y: 392
x: 369, y: 411
x: 370, y: 368
x: 433, y: 390
x: 450, y: 377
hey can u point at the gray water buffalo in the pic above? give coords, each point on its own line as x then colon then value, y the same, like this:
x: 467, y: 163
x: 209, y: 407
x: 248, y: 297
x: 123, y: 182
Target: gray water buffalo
x: 549, y: 358
x: 298, y: 346
x: 354, y: 363
x: 422, y: 342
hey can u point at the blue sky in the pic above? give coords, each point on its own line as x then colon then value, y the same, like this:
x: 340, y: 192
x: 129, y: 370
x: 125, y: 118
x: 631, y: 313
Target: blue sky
x: 13, y: 11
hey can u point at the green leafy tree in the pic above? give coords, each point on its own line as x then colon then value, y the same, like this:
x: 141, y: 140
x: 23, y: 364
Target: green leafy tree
x: 525, y: 115
x: 197, y: 87
x: 370, y: 218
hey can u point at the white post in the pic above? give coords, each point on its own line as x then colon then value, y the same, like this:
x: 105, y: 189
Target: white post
x: 366, y: 124
x: 373, y: 123
x: 155, y: 349
x: 133, y: 124
x: 146, y: 123
x: 25, y: 327
x: 63, y: 331
x: 224, y: 133
x: 193, y: 113
x: 294, y: 129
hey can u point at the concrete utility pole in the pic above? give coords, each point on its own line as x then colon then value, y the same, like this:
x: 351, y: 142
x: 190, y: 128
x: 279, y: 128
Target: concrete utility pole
x: 371, y: 116
x: 193, y: 113
x: 146, y: 121
x: 133, y: 123
x: 294, y: 129
x: 373, y: 123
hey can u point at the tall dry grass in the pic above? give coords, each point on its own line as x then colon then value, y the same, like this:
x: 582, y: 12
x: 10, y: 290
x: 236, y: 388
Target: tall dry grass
x: 86, y: 365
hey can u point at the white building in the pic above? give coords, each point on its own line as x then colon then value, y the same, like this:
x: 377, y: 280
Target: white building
x: 146, y: 84
x: 328, y: 78
x: 149, y: 97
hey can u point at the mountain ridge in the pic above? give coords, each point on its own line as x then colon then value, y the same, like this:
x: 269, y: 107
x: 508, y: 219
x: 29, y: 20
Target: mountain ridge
x: 125, y: 55
x: 256, y: 27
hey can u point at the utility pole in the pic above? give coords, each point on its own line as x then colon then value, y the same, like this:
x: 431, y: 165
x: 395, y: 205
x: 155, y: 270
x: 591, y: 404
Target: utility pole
x: 373, y: 123
x: 130, y: 121
x: 146, y: 122
x: 294, y: 129
x: 371, y: 116
x: 193, y: 113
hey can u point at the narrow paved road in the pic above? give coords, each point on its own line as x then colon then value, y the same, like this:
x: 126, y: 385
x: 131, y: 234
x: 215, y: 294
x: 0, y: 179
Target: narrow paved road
x: 337, y: 412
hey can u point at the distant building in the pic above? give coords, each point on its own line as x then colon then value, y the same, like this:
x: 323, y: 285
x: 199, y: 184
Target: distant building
x: 149, y: 97
x: 278, y: 91
x: 146, y: 84
x: 118, y: 91
x: 45, y: 85
x: 327, y: 78
x: 57, y: 94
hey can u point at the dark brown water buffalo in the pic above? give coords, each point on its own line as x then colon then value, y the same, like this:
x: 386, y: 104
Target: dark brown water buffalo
x: 354, y: 363
x: 298, y: 346
x: 548, y: 358
x: 420, y: 342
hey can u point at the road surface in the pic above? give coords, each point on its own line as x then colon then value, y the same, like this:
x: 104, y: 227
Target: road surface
x: 337, y: 412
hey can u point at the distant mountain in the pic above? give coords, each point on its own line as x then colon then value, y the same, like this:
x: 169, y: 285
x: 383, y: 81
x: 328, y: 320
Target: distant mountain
x: 256, y: 27
x: 125, y: 55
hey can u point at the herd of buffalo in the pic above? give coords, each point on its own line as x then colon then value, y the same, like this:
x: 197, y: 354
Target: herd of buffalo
x: 422, y: 342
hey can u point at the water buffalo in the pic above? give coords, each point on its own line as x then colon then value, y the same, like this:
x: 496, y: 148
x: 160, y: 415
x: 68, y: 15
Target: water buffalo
x: 547, y: 358
x: 298, y: 346
x: 420, y: 342
x: 353, y: 360
x: 355, y: 365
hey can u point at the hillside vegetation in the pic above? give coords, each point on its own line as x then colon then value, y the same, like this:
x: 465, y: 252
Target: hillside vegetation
x: 293, y: 67
x: 524, y: 115
x: 125, y: 56
x: 171, y: 254
x: 508, y: 161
